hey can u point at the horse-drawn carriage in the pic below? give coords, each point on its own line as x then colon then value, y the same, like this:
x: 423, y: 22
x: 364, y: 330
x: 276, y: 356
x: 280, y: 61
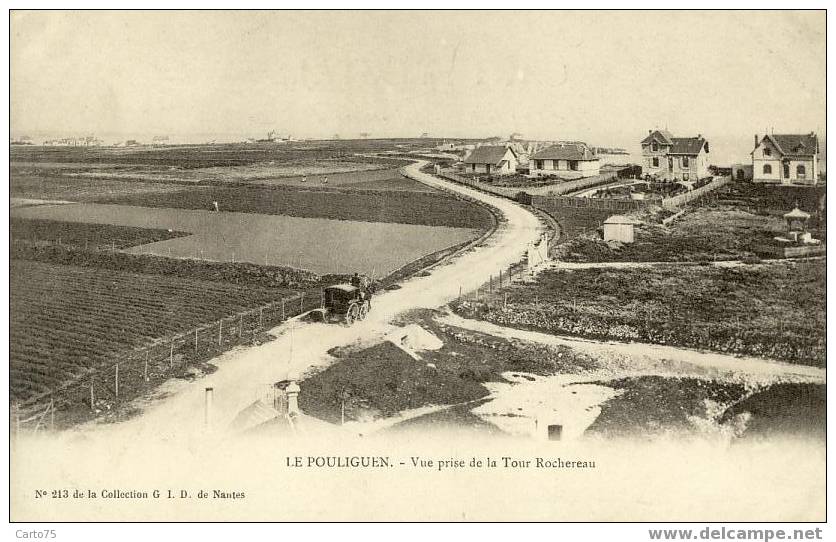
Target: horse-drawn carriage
x: 345, y: 302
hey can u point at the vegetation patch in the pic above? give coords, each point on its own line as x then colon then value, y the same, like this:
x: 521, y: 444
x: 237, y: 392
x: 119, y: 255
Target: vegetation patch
x: 774, y: 311
x: 84, y: 235
x: 703, y: 234
x: 784, y: 409
x: 383, y: 380
x: 652, y: 405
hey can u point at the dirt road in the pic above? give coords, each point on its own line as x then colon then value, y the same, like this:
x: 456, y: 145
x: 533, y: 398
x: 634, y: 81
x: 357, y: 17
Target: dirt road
x: 244, y: 373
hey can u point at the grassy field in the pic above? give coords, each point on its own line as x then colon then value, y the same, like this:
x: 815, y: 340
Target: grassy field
x: 429, y: 209
x: 703, y: 234
x: 774, y: 310
x: 66, y: 320
x: 56, y: 187
x: 81, y: 235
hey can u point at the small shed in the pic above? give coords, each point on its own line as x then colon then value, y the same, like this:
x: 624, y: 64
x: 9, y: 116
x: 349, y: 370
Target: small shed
x: 619, y: 228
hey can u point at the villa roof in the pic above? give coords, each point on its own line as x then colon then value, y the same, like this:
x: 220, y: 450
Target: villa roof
x: 795, y: 144
x: 663, y: 136
x: 687, y: 145
x: 565, y: 151
x: 488, y: 154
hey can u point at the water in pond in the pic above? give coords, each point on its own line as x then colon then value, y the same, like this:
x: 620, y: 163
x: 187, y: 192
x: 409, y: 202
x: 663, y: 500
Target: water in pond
x: 320, y: 245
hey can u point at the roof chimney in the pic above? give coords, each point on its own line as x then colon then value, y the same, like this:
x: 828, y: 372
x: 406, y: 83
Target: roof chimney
x: 756, y: 140
x: 649, y: 132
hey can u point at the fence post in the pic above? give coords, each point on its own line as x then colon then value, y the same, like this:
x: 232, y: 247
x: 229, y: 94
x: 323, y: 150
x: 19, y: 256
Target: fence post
x: 302, y: 303
x: 322, y: 298
x: 283, y: 314
x: 171, y: 355
x: 240, y: 325
x: 145, y: 369
x: 220, y: 330
x: 116, y: 378
x: 92, y: 396
x: 195, y: 338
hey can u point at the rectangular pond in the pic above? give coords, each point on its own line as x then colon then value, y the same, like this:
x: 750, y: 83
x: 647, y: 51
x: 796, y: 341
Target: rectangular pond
x: 317, y: 244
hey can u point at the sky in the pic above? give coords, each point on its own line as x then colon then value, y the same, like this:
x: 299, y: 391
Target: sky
x: 603, y: 77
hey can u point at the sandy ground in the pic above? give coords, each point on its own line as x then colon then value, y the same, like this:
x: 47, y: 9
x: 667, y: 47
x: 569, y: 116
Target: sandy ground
x: 244, y: 373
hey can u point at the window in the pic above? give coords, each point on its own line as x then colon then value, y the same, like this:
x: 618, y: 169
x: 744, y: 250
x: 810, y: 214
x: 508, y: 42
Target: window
x: 685, y: 176
x: 538, y: 164
x: 555, y: 164
x: 801, y: 171
x: 654, y: 146
x: 685, y: 162
x: 767, y: 169
x: 473, y: 169
x: 573, y: 165
x: 655, y: 162
x: 767, y: 151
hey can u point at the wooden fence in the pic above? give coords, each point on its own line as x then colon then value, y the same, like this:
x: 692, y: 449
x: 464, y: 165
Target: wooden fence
x: 551, y: 203
x: 101, y: 389
x: 676, y: 201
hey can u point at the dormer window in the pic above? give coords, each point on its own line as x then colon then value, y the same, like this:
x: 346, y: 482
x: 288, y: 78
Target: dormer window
x: 767, y: 151
x: 654, y: 146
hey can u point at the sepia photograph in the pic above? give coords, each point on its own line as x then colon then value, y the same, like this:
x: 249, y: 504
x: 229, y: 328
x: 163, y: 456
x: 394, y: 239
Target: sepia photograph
x: 419, y: 266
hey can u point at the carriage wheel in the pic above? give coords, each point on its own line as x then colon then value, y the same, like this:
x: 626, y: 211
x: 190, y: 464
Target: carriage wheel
x: 351, y: 314
x: 364, y: 310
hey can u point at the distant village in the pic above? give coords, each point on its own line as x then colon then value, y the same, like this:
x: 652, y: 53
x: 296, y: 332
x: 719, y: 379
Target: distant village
x: 785, y: 159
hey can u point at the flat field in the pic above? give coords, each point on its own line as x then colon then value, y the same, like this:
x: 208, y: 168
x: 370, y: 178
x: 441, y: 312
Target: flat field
x: 428, y: 209
x: 81, y: 235
x: 202, y: 156
x: 66, y: 320
x: 65, y: 188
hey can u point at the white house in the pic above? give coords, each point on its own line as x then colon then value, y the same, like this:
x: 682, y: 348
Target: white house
x: 675, y: 158
x: 786, y: 159
x: 565, y: 160
x: 491, y: 159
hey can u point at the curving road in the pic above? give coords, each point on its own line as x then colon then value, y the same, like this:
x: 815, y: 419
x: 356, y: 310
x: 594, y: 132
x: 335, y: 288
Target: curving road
x: 244, y: 373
